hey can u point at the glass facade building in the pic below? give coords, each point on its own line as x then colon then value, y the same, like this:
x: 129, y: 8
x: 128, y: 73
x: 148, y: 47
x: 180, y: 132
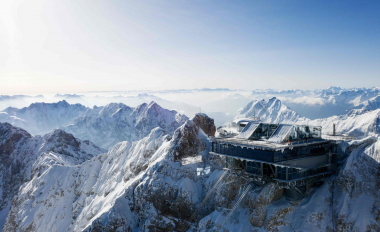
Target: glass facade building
x: 270, y: 155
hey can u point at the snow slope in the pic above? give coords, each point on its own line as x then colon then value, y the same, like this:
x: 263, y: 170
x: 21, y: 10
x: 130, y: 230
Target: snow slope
x: 371, y: 104
x: 116, y: 122
x: 130, y: 185
x: 19, y: 150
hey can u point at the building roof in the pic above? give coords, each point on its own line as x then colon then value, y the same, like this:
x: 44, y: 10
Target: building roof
x: 274, y: 136
x: 281, y: 133
x: 248, y: 130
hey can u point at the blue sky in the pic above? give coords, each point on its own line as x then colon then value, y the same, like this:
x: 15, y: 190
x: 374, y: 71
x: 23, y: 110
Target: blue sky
x: 75, y: 46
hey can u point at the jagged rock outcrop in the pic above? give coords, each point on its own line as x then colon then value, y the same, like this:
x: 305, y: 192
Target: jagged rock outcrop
x: 205, y: 123
x: 186, y: 142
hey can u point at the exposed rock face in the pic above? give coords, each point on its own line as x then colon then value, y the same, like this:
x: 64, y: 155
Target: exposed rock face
x: 205, y: 123
x: 19, y: 150
x: 11, y: 139
x: 187, y: 142
x: 259, y: 203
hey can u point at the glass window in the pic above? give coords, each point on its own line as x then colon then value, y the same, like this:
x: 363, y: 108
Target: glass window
x: 253, y: 167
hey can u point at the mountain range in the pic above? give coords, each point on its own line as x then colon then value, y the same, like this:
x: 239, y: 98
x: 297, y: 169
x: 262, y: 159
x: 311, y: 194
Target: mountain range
x: 154, y: 184
x: 157, y: 170
x: 105, y: 126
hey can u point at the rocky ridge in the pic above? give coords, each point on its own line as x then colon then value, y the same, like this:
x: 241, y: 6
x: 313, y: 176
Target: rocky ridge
x: 19, y: 150
x: 116, y: 122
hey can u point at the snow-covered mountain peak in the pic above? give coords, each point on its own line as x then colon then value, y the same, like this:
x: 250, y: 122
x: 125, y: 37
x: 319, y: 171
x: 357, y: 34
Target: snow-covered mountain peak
x: 368, y: 105
x: 11, y: 138
x: 65, y: 143
x: 272, y: 110
x: 41, y: 118
x: 118, y: 122
x: 7, y: 131
x: 112, y: 108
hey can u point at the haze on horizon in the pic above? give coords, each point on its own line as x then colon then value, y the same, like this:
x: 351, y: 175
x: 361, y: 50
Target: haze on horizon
x: 79, y: 46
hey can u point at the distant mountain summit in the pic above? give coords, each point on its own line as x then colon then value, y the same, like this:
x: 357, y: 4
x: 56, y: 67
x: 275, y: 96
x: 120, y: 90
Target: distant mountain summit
x: 105, y: 126
x: 118, y: 122
x: 368, y: 105
x: 272, y: 110
x: 41, y: 118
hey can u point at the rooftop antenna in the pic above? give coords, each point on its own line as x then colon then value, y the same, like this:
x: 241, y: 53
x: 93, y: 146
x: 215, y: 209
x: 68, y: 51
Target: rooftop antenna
x: 334, y: 129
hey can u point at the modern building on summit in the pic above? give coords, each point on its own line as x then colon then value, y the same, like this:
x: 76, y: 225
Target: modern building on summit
x: 294, y: 156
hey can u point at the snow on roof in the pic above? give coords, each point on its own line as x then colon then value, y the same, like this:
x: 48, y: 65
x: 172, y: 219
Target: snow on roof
x: 248, y: 130
x: 281, y: 133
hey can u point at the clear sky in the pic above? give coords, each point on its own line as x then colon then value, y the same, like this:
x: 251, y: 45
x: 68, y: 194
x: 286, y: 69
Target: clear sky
x: 93, y: 45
